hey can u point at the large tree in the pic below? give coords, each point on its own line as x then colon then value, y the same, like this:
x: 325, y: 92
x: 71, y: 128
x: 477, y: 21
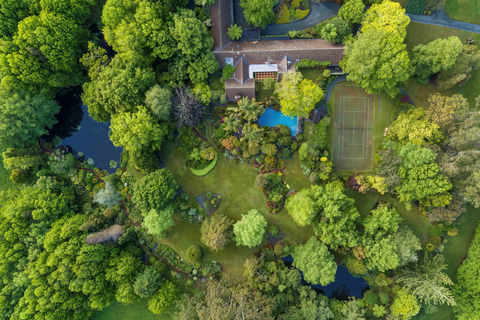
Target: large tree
x: 250, y: 229
x: 216, y: 231
x: 435, y: 56
x: 297, y: 96
x: 155, y: 191
x: 442, y: 109
x: 377, y: 61
x: 387, y: 16
x: 159, y: 101
x: 315, y: 261
x: 188, y: 111
x: 352, y: 11
x: 468, y: 61
x: 258, y: 13
x: 25, y: 117
x: 157, y: 221
x: 302, y: 207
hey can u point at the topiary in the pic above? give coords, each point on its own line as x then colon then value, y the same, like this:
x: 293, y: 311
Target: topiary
x: 194, y: 253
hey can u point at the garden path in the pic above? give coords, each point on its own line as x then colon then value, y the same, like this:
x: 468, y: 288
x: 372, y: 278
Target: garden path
x: 440, y: 18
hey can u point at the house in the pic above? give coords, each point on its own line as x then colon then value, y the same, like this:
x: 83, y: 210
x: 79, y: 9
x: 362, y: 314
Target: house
x: 257, y: 60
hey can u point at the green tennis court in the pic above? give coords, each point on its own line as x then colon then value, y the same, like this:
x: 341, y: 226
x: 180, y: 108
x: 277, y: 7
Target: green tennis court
x: 353, y: 128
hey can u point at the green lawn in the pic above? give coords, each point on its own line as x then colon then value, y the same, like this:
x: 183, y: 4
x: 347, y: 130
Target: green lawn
x: 418, y: 33
x: 138, y: 310
x: 463, y: 10
x: 236, y: 184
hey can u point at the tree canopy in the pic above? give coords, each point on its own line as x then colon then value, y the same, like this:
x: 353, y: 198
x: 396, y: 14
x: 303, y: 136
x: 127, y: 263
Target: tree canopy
x: 155, y: 191
x: 250, y: 229
x: 258, y: 13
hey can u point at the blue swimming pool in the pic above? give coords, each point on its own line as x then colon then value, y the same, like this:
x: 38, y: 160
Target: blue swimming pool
x: 272, y: 118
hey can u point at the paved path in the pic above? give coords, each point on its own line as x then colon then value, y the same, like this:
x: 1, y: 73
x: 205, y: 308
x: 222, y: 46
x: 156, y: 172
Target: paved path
x: 440, y: 18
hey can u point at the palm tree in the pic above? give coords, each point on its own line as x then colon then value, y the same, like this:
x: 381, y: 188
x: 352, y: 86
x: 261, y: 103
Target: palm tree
x: 234, y: 32
x: 251, y: 132
x: 249, y: 110
x: 329, y: 32
x: 231, y: 123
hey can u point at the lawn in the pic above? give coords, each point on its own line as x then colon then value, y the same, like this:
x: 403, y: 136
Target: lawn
x: 137, y: 310
x: 463, y: 10
x: 418, y: 33
x: 236, y: 184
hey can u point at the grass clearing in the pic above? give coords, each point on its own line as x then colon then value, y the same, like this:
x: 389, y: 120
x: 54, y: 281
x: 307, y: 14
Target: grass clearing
x: 137, y: 310
x: 463, y: 10
x: 418, y: 33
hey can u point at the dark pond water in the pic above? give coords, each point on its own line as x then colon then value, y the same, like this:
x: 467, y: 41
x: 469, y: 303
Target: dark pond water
x: 83, y: 134
x: 345, y: 285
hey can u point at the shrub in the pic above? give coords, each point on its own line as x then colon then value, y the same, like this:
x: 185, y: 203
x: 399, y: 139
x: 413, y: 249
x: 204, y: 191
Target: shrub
x: 223, y: 99
x: 299, y: 137
x: 307, y: 63
x: 274, y: 231
x: 262, y: 182
x: 306, y: 4
x: 295, y: 3
x: 253, y: 148
x: 343, y: 28
x: 326, y: 73
x: 194, y: 253
x: 228, y: 143
x: 294, y: 145
x: 314, y: 179
x: 415, y: 6
x: 285, y: 18
x: 271, y: 150
x: 301, y: 14
x: 227, y: 72
x: 285, y: 141
x: 269, y: 84
x: 284, y: 130
x: 286, y: 153
x: 19, y: 176
x: 278, y: 249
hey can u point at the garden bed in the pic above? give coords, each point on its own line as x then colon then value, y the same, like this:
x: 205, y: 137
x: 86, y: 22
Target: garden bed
x: 210, y: 202
x: 291, y: 10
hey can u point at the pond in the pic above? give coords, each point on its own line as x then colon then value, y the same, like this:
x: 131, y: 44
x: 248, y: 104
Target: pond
x: 83, y: 134
x: 345, y: 285
x: 271, y: 118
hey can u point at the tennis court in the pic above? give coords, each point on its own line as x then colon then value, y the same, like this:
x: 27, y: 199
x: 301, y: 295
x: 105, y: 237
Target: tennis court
x: 353, y: 128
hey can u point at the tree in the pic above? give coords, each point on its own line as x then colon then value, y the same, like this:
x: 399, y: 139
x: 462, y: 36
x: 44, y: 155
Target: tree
x: 380, y: 253
x: 329, y: 32
x: 467, y: 289
x: 309, y: 309
x: 216, y: 231
x: 343, y: 30
x: 157, y: 221
x: 137, y: 130
x: 24, y: 117
x: 185, y: 308
x: 235, y: 32
x: 442, y: 109
x: 414, y: 127
x: 352, y: 311
x: 203, y: 93
x: 381, y: 222
x: 258, y: 13
x: 387, y: 16
x: 468, y: 61
x: 301, y: 207
x: 155, y: 191
x: 118, y: 88
x: 435, y: 56
x: 377, y: 61
x: 190, y: 34
x: 352, y: 11
x: 249, y: 110
x: 187, y: 109
x: 232, y: 123
x: 205, y: 2
x: 427, y: 281
x: 315, y: 261
x: 407, y: 245
x: 147, y: 283
x: 405, y: 305
x: 165, y: 297
x: 107, y: 196
x: 159, y: 101
x: 297, y: 96
x: 250, y: 229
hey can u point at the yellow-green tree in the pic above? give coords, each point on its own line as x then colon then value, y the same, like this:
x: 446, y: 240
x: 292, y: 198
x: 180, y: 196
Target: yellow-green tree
x: 297, y: 96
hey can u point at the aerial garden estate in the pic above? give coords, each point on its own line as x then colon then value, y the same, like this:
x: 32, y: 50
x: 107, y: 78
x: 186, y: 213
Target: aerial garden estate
x: 239, y: 159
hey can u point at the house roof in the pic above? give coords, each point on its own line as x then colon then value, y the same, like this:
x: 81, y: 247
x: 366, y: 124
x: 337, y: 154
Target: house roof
x: 241, y: 71
x: 233, y: 88
x: 258, y: 52
x: 221, y: 18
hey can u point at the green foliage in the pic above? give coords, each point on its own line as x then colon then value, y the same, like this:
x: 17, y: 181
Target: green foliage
x: 468, y: 61
x: 352, y: 11
x: 250, y: 229
x: 435, y: 56
x: 388, y: 16
x: 381, y: 222
x: 216, y: 231
x: 161, y: 301
x: 25, y: 117
x: 301, y: 207
x: 249, y: 110
x: 297, y: 96
x: 329, y: 32
x: 467, y: 289
x: 307, y: 63
x: 427, y: 281
x: 258, y: 13
x: 117, y: 89
x: 159, y: 101
x: 269, y: 84
x: 407, y: 245
x: 203, y: 93
x: 415, y: 6
x: 155, y: 191
x: 405, y: 305
x: 157, y: 221
x: 343, y: 29
x: 315, y: 261
x: 194, y: 253
x: 147, y: 283
x: 227, y: 72
x: 442, y: 109
x: 235, y: 32
x: 107, y: 196
x: 356, y: 266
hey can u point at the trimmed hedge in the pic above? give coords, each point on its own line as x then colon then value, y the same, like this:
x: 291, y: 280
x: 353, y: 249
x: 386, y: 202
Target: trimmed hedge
x: 194, y: 253
x: 307, y: 63
x: 207, y: 169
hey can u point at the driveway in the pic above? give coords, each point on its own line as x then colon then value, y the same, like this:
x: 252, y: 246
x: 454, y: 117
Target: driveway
x: 440, y: 18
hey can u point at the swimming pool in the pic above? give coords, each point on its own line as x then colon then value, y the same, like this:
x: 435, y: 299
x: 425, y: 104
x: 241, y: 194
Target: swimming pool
x: 272, y: 118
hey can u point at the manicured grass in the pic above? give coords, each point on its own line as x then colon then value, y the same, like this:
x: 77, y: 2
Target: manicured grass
x: 418, y: 33
x: 138, y: 310
x: 236, y: 184
x: 207, y: 169
x: 216, y: 84
x: 463, y: 10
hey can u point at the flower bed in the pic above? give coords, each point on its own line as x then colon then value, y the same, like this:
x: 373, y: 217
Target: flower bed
x: 275, y: 190
x: 189, y: 209
x: 292, y: 10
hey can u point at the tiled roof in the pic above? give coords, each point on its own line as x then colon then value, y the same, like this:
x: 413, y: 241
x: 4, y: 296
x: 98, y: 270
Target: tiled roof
x: 220, y: 15
x: 233, y: 88
x: 241, y: 71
